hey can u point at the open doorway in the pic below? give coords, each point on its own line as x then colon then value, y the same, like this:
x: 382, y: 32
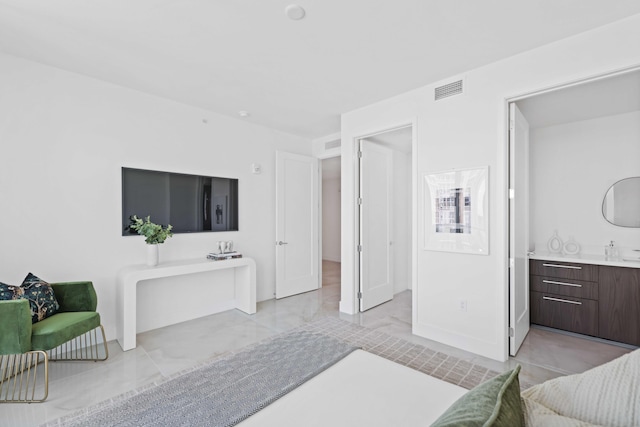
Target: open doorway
x: 384, y: 216
x: 575, y: 142
x: 331, y: 223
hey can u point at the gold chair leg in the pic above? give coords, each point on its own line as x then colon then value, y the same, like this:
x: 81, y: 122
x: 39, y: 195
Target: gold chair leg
x: 19, y: 372
x: 19, y: 377
x: 82, y: 348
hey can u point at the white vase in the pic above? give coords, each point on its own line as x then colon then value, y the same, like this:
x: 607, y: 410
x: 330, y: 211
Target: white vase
x: 555, y: 243
x: 152, y: 255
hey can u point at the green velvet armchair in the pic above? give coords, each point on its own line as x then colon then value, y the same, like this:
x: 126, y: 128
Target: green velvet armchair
x: 69, y: 335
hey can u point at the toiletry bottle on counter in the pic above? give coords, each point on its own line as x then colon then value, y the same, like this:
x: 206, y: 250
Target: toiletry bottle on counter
x: 611, y: 251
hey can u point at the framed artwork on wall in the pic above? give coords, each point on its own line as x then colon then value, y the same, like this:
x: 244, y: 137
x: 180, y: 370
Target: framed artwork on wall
x: 456, y: 211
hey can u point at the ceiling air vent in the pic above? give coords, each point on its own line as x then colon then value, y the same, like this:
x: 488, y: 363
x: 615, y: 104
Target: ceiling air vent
x: 332, y: 144
x: 447, y: 90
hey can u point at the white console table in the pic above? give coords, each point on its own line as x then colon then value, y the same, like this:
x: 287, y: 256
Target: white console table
x: 128, y: 278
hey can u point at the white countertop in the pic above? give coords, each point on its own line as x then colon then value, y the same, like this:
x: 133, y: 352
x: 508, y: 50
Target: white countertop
x: 587, y: 259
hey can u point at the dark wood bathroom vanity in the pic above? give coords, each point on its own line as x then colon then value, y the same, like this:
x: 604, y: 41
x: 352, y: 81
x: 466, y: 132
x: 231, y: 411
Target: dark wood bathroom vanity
x: 587, y: 298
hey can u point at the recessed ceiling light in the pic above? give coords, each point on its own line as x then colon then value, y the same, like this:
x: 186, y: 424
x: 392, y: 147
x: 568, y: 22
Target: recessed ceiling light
x: 295, y: 12
x: 243, y: 113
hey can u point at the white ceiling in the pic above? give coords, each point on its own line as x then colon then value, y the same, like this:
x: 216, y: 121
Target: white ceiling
x: 296, y: 76
x: 605, y: 97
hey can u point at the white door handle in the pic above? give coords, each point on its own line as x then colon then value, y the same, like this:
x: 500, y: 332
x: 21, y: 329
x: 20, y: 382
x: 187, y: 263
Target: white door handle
x: 280, y: 243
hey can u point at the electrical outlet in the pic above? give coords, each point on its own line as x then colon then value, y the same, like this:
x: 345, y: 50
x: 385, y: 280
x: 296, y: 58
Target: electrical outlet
x: 462, y: 305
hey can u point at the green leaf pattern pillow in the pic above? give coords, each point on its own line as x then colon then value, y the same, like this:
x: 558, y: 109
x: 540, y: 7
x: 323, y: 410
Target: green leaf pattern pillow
x: 39, y: 293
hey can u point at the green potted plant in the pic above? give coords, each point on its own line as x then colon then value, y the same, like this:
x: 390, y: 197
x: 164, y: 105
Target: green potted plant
x: 154, y: 235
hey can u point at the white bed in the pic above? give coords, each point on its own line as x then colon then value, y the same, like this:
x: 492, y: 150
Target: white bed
x: 366, y: 390
x: 361, y: 389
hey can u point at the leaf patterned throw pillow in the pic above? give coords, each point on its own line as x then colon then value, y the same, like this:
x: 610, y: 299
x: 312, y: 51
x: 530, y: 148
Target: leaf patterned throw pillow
x: 8, y: 292
x: 39, y: 293
x: 41, y: 297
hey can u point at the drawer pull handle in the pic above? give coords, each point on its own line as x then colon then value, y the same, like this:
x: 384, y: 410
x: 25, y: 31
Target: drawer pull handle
x: 562, y: 300
x: 573, y: 267
x: 551, y: 282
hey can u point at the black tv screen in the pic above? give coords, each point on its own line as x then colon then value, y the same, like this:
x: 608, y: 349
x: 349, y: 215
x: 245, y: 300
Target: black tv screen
x: 190, y: 203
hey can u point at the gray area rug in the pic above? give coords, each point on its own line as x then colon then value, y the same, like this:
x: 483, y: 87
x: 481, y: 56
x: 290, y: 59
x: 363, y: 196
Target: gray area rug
x: 415, y: 356
x: 320, y: 344
x: 226, y: 391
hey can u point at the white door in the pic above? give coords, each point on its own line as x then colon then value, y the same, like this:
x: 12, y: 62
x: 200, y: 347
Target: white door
x: 375, y: 225
x: 518, y: 228
x: 297, y: 225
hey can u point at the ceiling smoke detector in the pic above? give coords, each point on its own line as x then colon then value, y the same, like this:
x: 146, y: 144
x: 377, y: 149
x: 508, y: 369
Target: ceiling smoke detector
x: 243, y: 113
x: 294, y: 12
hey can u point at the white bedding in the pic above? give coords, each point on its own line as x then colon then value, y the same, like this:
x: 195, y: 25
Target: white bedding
x: 607, y: 395
x: 361, y: 389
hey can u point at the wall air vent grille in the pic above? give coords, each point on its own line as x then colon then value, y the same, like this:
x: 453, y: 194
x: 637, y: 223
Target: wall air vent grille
x: 447, y: 90
x: 332, y: 144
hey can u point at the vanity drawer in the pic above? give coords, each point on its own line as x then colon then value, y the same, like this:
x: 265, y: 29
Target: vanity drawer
x: 565, y: 287
x: 564, y: 270
x: 578, y: 315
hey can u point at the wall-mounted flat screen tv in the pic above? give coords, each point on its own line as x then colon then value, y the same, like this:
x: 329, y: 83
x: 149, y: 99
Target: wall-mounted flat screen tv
x: 190, y: 203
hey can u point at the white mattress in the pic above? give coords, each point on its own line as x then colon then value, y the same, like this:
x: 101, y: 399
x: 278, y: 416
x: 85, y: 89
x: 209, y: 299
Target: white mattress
x: 361, y: 390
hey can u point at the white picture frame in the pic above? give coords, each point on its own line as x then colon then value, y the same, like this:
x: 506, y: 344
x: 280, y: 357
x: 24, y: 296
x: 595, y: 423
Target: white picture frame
x: 456, y: 211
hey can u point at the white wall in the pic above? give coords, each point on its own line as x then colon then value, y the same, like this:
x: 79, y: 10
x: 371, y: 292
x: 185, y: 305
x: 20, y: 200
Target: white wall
x: 470, y: 130
x: 63, y: 140
x: 319, y: 146
x: 572, y: 167
x: 331, y: 219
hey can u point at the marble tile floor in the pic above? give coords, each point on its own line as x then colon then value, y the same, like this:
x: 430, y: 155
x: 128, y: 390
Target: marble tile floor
x: 166, y: 351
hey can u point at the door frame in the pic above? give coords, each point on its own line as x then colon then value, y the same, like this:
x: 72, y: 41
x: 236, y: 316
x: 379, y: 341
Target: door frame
x: 504, y: 155
x: 350, y: 275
